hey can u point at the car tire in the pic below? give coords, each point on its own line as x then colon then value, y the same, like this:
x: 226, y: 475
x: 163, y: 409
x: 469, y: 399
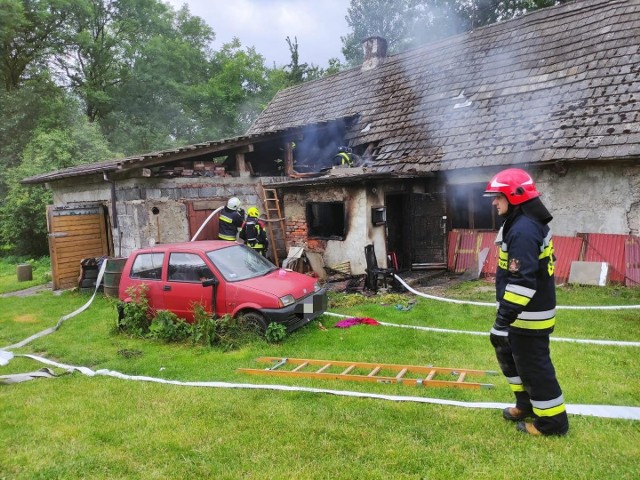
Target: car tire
x: 256, y: 320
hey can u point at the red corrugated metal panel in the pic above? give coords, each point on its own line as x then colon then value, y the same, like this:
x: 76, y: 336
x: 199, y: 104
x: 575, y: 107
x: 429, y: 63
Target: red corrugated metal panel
x: 621, y: 252
x: 467, y: 251
x: 632, y: 261
x: 454, y: 237
x: 488, y: 240
x: 602, y: 247
x: 567, y: 250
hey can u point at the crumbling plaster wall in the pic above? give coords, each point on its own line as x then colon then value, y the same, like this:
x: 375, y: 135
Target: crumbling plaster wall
x: 153, y: 210
x: 592, y: 199
x: 360, y: 231
x: 582, y: 197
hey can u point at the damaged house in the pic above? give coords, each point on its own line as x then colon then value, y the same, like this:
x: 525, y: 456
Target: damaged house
x: 556, y: 92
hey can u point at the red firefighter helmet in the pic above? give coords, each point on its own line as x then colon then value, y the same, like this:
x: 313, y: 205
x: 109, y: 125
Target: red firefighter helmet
x: 517, y: 185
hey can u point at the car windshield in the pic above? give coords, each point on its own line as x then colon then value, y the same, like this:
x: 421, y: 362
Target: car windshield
x: 238, y: 262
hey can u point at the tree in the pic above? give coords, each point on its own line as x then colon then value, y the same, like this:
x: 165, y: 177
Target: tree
x: 409, y: 23
x: 152, y: 105
x: 300, y: 72
x: 73, y: 141
x: 37, y: 104
x: 238, y: 87
x: 384, y: 18
x: 29, y: 32
x: 103, y: 39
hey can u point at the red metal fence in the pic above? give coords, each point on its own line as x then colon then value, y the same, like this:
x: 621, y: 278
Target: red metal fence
x: 621, y: 252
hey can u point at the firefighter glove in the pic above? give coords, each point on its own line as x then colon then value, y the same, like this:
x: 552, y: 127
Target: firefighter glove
x: 499, y: 342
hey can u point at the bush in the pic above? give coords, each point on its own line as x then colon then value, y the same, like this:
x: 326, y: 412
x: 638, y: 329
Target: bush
x: 133, y: 316
x: 232, y: 333
x: 169, y: 327
x: 276, y: 332
x: 204, y: 327
x: 225, y: 332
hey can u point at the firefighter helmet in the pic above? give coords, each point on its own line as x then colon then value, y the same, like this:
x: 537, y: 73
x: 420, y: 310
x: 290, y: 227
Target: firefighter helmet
x: 253, y: 212
x: 233, y: 203
x: 515, y: 184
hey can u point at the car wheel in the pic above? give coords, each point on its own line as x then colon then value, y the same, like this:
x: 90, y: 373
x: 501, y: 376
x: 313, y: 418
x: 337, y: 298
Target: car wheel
x: 255, y: 320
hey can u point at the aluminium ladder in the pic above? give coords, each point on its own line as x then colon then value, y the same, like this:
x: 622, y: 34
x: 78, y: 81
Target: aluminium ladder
x: 370, y: 372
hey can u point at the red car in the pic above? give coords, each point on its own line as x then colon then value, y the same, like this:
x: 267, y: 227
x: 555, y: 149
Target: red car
x: 226, y: 278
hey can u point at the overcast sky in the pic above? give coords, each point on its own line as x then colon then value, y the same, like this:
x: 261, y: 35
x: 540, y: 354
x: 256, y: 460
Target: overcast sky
x: 265, y: 25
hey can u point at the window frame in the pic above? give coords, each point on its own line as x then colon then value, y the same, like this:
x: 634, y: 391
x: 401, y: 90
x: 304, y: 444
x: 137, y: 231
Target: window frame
x: 315, y: 220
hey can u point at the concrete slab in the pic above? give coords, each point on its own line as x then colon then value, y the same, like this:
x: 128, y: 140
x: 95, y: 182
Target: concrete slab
x: 589, y: 273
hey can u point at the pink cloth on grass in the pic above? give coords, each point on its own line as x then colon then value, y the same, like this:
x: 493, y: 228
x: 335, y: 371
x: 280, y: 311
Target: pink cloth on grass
x: 350, y: 322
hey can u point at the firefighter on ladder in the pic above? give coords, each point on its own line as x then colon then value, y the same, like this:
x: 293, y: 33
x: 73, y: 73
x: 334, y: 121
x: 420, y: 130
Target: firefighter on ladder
x: 525, y: 291
x: 230, y: 220
x: 253, y: 232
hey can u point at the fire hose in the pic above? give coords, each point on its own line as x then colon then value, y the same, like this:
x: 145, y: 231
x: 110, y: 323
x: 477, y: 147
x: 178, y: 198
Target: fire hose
x: 604, y: 411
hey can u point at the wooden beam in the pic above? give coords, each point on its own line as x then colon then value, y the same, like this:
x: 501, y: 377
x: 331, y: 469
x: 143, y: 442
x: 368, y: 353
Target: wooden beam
x: 241, y: 165
x: 288, y: 159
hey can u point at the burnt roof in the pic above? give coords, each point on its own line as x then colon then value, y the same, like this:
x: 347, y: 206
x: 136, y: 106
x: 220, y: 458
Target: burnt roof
x: 558, y: 84
x: 562, y: 83
x: 149, y: 159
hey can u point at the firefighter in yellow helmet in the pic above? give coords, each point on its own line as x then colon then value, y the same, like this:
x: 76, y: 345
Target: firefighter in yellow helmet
x: 253, y: 232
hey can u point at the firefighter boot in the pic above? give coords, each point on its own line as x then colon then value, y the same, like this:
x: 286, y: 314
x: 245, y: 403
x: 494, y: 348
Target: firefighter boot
x: 528, y: 428
x: 514, y: 414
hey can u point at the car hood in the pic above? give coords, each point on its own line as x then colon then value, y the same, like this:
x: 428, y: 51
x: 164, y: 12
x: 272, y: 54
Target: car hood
x: 283, y: 282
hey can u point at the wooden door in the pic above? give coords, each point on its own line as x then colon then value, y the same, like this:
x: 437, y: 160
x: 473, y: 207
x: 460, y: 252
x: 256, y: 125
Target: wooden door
x: 74, y: 234
x: 197, y: 213
x: 428, y: 234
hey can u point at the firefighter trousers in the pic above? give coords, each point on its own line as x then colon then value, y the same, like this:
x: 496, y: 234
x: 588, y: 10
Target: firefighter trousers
x: 526, y: 362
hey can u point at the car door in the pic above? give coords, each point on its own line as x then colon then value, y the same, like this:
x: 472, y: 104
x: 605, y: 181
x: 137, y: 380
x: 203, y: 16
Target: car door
x: 146, y: 269
x: 183, y: 287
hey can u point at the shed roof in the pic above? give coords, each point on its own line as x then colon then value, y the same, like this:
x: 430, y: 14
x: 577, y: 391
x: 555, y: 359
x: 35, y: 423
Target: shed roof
x: 209, y: 149
x: 562, y: 83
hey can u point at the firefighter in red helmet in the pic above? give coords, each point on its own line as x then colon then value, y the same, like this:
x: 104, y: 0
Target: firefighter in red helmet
x: 525, y: 292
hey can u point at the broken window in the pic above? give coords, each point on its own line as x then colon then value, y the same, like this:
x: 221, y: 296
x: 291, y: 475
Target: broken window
x: 469, y: 209
x: 326, y: 220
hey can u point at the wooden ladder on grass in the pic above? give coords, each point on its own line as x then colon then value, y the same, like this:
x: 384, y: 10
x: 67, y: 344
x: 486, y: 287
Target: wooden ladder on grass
x: 371, y: 372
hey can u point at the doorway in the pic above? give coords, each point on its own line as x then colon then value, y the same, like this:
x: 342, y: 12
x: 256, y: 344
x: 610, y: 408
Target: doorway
x: 416, y: 229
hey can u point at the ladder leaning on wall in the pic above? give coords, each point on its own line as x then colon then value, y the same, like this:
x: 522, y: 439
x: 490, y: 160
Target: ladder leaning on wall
x: 275, y: 223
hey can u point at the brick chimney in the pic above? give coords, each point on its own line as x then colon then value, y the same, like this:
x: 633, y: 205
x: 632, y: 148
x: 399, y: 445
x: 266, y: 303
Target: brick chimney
x: 375, y: 49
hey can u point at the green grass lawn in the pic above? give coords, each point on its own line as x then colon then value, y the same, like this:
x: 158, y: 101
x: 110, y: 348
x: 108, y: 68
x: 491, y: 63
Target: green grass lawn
x: 100, y: 427
x: 40, y: 272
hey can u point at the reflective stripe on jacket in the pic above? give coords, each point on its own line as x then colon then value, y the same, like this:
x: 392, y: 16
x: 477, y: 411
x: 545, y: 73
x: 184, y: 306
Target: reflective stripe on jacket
x: 254, y: 234
x: 229, y: 223
x: 344, y: 158
x: 525, y: 285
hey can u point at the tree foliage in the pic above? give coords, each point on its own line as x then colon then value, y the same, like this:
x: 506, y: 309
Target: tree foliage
x: 30, y: 31
x: 67, y: 140
x: 409, y: 23
x: 82, y: 79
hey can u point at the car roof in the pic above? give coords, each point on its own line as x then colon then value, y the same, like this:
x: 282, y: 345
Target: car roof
x: 201, y: 246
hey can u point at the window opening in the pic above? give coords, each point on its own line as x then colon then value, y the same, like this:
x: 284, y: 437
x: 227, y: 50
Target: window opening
x: 148, y: 266
x: 187, y: 267
x: 469, y: 209
x: 326, y: 220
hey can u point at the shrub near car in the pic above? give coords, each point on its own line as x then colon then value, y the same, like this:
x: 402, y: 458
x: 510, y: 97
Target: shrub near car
x: 225, y: 278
